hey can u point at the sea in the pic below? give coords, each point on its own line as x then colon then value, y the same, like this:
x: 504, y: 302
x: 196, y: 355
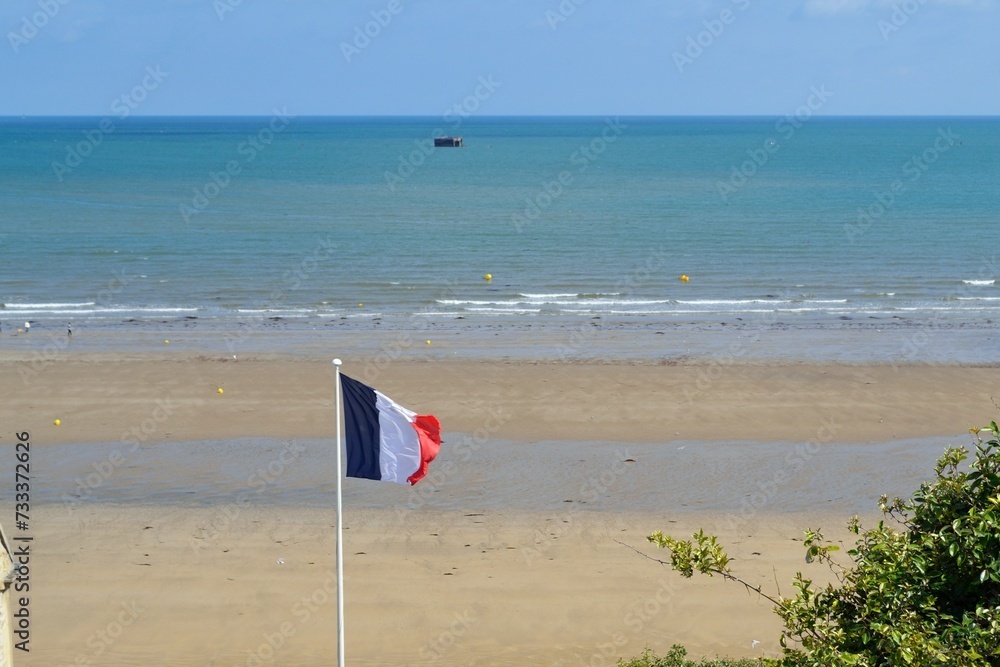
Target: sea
x: 551, y: 223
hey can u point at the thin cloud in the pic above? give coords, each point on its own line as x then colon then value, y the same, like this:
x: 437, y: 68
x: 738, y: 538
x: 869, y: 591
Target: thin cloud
x: 974, y: 4
x: 834, y: 7
x: 79, y: 29
x: 845, y: 7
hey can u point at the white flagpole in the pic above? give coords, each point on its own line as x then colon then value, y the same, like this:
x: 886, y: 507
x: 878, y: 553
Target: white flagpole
x: 340, y: 536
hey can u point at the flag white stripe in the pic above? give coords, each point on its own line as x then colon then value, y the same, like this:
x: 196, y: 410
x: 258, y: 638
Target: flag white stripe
x: 399, y: 444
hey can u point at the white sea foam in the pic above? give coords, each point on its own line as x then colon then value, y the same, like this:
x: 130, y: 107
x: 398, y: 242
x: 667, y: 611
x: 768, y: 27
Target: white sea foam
x: 714, y: 312
x: 504, y: 311
x: 611, y: 302
x: 98, y: 311
x: 629, y: 312
x: 553, y: 302
x: 979, y: 282
x: 47, y: 306
x: 728, y: 302
x: 549, y: 296
x: 469, y: 302
x: 942, y: 309
x: 288, y: 311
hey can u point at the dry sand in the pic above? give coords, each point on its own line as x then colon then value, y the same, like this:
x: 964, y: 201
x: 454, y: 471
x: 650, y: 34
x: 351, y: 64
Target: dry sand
x: 188, y: 584
x: 106, y: 398
x: 216, y: 586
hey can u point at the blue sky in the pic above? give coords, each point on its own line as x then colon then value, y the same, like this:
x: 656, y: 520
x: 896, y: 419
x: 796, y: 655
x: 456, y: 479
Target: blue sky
x: 631, y: 57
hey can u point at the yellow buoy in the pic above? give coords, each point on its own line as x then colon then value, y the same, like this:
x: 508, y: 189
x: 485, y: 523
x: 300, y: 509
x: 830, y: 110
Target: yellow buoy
x: 361, y: 305
x: 684, y: 279
x: 166, y: 342
x: 57, y: 422
x: 428, y: 342
x: 488, y: 277
x: 219, y: 390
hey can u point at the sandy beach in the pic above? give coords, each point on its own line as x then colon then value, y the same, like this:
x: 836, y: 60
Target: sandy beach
x: 156, y: 396
x: 505, y: 558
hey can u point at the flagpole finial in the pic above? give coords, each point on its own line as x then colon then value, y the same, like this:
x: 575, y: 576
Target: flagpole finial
x: 337, y: 362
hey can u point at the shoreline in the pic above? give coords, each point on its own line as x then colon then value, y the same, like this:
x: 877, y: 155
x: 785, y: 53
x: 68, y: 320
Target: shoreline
x: 771, y: 340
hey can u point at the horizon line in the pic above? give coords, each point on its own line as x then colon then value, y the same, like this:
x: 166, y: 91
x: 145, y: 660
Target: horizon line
x: 492, y: 116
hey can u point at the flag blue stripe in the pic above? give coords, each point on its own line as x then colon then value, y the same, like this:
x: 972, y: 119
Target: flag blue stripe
x: 361, y: 429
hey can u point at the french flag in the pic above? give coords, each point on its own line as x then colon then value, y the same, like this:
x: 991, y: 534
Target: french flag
x: 385, y: 441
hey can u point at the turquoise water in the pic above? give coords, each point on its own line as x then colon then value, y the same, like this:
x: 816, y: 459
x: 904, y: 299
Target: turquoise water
x: 575, y: 218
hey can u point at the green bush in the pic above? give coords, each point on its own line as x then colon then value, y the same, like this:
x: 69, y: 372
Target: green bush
x: 677, y: 657
x: 923, y: 591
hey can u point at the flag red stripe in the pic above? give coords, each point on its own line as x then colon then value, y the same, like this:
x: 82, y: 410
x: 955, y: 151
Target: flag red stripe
x: 429, y: 433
